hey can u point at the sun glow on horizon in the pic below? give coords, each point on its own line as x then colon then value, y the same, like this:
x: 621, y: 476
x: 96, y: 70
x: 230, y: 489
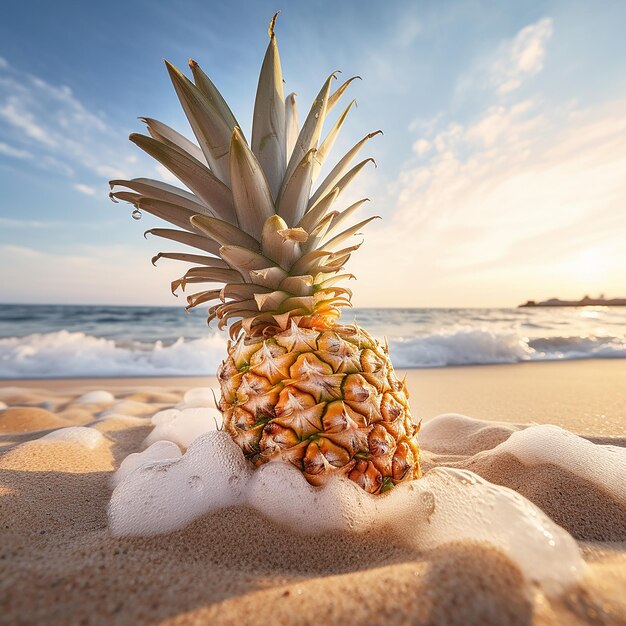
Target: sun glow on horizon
x: 589, y: 265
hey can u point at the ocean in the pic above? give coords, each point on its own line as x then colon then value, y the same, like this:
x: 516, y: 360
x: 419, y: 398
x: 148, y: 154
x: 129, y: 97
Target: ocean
x: 56, y: 341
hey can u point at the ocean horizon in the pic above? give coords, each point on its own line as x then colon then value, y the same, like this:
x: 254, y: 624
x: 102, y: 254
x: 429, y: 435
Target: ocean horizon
x: 63, y: 341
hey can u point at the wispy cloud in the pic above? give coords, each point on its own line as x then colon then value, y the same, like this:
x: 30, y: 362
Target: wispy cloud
x: 15, y: 153
x: 13, y: 113
x: 86, y: 189
x: 86, y: 274
x: 506, y: 203
x: 509, y: 64
x: 24, y: 223
x: 408, y: 29
x: 521, y: 57
x: 49, y: 126
x: 166, y: 175
x: 49, y: 121
x: 9, y: 222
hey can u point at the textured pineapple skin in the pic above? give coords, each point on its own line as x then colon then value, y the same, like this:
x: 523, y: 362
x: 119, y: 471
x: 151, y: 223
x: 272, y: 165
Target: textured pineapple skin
x: 328, y: 401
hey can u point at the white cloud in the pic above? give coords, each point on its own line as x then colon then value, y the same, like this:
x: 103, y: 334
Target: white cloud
x: 164, y: 174
x: 7, y: 222
x: 503, y: 210
x: 3, y: 63
x: 101, y: 274
x: 521, y: 57
x: 408, y: 29
x: 49, y: 120
x: 86, y: 189
x: 500, y: 124
x: 27, y: 224
x: 511, y: 63
x: 13, y: 113
x: 15, y: 153
x: 523, y: 200
x: 421, y: 147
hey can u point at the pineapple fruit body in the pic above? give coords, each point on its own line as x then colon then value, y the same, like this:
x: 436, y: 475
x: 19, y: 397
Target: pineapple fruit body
x: 326, y: 400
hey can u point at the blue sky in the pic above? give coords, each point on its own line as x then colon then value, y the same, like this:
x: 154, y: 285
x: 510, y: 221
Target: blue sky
x: 500, y: 174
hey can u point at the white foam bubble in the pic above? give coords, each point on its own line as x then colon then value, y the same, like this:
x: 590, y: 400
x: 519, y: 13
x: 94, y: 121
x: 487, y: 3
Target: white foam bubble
x: 200, y: 397
x: 281, y: 493
x: 96, y: 397
x: 605, y: 466
x: 449, y: 433
x: 165, y: 496
x: 128, y: 407
x: 460, y: 505
x: 444, y: 506
x: 158, y: 451
x: 84, y: 435
x: 183, y: 426
x: 130, y: 420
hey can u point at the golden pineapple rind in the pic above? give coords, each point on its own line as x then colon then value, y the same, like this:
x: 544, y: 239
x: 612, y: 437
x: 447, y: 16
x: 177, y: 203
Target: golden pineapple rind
x: 328, y: 401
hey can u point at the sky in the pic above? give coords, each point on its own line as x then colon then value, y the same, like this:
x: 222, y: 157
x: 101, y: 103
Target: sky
x: 500, y: 176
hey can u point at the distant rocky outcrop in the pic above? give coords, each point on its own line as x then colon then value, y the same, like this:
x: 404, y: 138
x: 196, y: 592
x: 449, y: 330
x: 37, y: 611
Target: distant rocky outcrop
x: 586, y: 301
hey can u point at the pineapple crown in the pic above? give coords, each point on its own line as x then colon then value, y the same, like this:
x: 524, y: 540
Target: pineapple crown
x: 278, y: 249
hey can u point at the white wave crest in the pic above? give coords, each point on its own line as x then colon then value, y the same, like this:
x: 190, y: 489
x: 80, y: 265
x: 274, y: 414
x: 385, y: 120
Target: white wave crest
x: 473, y: 346
x: 76, y: 354
x: 67, y: 354
x: 465, y: 346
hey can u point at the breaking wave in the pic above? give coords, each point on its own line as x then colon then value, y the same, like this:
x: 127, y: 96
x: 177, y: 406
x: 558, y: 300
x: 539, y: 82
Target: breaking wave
x: 76, y: 354
x: 64, y: 354
x: 472, y: 346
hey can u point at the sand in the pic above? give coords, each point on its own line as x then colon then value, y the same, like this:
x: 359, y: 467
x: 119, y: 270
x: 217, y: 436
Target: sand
x: 60, y: 565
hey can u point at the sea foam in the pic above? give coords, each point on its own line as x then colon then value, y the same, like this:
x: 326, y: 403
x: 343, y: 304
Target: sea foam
x: 604, y: 466
x: 83, y: 435
x: 537, y: 444
x: 96, y: 397
x: 200, y: 397
x: 445, y: 505
x: 158, y: 451
x: 67, y: 354
x: 183, y: 426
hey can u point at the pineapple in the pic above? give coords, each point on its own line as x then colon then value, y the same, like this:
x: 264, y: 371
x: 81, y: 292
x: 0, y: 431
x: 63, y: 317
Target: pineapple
x: 296, y: 385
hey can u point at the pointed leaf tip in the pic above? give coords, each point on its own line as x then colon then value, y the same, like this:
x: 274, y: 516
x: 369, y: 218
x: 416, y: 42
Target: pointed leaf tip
x: 268, y: 124
x: 270, y: 30
x: 207, y: 121
x: 170, y: 67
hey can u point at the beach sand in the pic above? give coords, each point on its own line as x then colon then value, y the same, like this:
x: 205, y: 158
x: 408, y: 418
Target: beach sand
x: 60, y: 565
